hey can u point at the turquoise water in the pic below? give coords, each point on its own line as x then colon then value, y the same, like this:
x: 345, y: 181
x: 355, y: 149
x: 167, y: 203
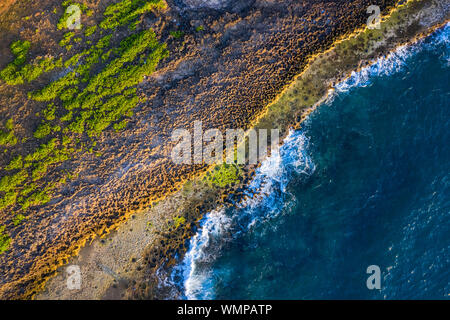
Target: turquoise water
x: 366, y: 181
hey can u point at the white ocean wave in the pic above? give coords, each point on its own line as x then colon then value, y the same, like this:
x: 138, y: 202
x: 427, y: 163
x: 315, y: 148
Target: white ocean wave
x: 205, y: 246
x: 394, y: 61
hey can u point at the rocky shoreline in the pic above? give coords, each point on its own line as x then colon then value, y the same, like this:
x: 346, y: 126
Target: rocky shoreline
x: 134, y: 261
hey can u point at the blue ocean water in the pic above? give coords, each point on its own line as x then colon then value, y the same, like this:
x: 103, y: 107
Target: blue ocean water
x: 366, y: 181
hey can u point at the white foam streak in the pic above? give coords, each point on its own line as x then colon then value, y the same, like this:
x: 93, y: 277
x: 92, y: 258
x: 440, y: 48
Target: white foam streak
x: 204, y: 247
x: 384, y: 66
x: 394, y: 61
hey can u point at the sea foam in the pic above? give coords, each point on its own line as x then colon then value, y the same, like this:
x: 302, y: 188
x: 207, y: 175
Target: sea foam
x: 395, y: 61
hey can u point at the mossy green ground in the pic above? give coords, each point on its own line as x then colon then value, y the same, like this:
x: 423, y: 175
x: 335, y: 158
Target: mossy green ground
x: 96, y: 91
x: 223, y: 175
x: 4, y: 240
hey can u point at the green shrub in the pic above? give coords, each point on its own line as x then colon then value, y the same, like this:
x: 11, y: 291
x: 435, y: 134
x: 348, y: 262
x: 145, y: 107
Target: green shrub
x: 43, y: 130
x: 35, y: 69
x: 90, y: 30
x: 8, y: 183
x: 178, y: 221
x: 74, y: 59
x: 7, y: 138
x: 49, y: 112
x: 223, y: 175
x: 177, y: 34
x: 5, y: 240
x: 8, y: 199
x: 15, y: 163
x: 121, y: 125
x: 43, y: 151
x: 18, y: 219
x: 13, y: 75
x: 9, y: 124
x: 20, y: 49
x: 66, y: 39
x: 55, y: 88
x: 37, y: 198
x: 68, y: 94
x: 39, y: 171
x: 67, y: 117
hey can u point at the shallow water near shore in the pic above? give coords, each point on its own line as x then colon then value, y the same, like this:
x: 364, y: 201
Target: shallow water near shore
x: 366, y: 181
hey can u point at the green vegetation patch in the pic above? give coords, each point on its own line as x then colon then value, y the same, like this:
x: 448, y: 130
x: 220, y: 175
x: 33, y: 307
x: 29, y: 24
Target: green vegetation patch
x: 178, y: 221
x: 223, y: 175
x: 66, y: 39
x: 18, y: 219
x: 177, y: 34
x: 15, y: 163
x: 7, y: 137
x: 5, y: 240
x: 90, y: 31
